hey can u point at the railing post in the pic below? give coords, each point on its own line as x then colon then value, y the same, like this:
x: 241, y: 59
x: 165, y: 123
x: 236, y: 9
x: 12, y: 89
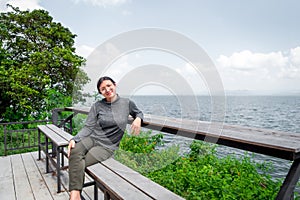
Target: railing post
x: 71, y: 124
x: 290, y: 182
x: 55, y: 116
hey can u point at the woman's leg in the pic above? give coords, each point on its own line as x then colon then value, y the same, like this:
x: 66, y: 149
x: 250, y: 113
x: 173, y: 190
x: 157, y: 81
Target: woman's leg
x: 97, y: 154
x: 77, y: 163
x: 83, y: 155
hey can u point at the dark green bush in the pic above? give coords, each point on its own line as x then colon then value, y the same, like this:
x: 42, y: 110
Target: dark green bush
x: 200, y: 174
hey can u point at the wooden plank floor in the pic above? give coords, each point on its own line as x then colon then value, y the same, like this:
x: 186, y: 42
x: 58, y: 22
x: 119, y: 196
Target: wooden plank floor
x: 23, y: 177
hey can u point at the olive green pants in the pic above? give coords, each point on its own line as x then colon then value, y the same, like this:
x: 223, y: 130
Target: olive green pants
x: 84, y: 154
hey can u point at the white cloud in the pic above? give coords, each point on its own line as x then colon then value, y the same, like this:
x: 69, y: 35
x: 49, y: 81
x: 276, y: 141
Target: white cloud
x: 23, y: 5
x: 276, y: 63
x: 295, y: 56
x: 292, y: 70
x: 260, y: 71
x: 246, y: 60
x: 102, y: 3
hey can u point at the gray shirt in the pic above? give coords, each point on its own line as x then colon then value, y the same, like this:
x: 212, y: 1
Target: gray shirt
x: 106, y: 121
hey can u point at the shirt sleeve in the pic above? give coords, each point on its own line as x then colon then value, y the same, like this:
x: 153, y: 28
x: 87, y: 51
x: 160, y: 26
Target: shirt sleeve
x: 89, y: 125
x: 134, y: 111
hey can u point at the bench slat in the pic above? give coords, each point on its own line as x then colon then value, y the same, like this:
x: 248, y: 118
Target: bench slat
x: 67, y: 136
x: 114, y: 183
x: 152, y: 189
x: 54, y: 137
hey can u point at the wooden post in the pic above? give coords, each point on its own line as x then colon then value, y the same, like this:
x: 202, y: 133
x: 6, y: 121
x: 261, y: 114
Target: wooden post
x: 290, y: 182
x: 55, y: 116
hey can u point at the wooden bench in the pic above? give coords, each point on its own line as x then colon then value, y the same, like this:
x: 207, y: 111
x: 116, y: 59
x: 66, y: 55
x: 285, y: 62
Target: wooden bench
x: 116, y: 180
x: 59, y: 139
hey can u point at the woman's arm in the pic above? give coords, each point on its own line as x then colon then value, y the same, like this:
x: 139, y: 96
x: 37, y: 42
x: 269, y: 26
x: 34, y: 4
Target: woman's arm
x: 71, y: 146
x: 86, y: 130
x: 138, y: 116
x: 89, y: 125
x: 136, y: 126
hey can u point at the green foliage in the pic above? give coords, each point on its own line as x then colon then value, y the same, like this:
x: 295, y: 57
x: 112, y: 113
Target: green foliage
x: 37, y: 63
x: 142, y: 143
x: 200, y: 148
x: 138, y: 152
x: 200, y: 174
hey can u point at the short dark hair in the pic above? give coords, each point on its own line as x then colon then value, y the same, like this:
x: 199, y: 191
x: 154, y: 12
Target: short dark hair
x: 104, y: 78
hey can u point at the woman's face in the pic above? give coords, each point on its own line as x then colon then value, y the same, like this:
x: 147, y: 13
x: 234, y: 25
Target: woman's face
x: 108, y: 90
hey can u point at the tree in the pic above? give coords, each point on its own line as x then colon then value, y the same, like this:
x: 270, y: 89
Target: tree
x: 37, y: 59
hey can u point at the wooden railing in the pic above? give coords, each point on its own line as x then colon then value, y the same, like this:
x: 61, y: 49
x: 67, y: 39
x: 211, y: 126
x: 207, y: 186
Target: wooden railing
x: 19, y: 135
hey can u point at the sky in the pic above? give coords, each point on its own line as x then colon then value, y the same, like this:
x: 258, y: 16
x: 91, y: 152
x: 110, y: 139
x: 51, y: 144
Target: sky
x: 253, y: 45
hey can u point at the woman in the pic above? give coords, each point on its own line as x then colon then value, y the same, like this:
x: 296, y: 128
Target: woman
x: 101, y: 134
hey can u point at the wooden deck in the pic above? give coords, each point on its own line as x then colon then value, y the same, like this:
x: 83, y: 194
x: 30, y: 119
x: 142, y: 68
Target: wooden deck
x: 23, y: 177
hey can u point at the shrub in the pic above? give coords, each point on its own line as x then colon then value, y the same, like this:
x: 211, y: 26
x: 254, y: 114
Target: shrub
x: 200, y: 174
x: 138, y: 152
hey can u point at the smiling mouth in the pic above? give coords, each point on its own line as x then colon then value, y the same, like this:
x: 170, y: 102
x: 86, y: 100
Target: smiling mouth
x: 108, y: 93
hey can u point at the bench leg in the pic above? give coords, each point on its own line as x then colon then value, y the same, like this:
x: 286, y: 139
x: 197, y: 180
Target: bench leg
x: 95, y: 192
x: 62, y: 157
x: 289, y: 184
x: 47, y: 154
x: 54, y: 150
x: 58, y: 169
x: 106, y: 196
x: 39, y: 144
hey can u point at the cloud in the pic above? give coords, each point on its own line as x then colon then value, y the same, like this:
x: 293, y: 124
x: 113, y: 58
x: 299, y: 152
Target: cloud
x: 292, y: 70
x: 102, y: 3
x: 282, y: 65
x: 23, y: 5
x: 256, y: 71
x: 246, y: 60
x: 295, y: 56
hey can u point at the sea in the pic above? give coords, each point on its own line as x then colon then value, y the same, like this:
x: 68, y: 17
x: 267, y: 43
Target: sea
x: 271, y: 112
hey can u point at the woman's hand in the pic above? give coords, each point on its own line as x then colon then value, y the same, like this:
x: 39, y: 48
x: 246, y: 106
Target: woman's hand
x: 136, y: 126
x: 71, y: 145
